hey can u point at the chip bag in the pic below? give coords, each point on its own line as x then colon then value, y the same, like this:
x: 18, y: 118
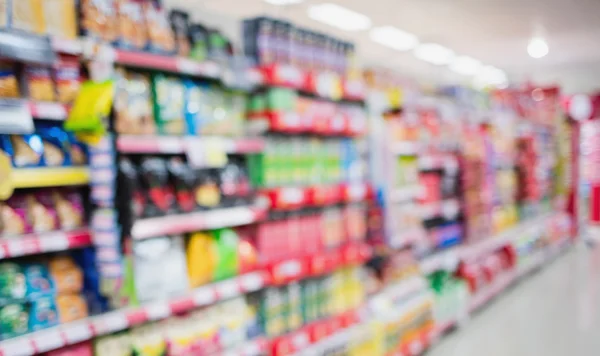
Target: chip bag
x: 90, y: 111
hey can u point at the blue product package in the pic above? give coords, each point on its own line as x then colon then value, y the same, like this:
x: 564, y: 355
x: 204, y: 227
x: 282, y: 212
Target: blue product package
x: 195, y: 107
x: 57, y: 147
x: 43, y: 313
x: 24, y: 150
x: 39, y: 282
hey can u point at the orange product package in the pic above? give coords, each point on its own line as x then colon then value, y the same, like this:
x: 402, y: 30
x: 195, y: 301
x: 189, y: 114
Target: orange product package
x: 160, y: 33
x: 99, y: 19
x: 133, y: 33
x: 67, y: 76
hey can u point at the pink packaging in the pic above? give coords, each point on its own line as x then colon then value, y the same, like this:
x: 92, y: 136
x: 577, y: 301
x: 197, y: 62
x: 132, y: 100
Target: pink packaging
x: 13, y: 217
x: 82, y: 349
x: 69, y: 208
x: 41, y: 211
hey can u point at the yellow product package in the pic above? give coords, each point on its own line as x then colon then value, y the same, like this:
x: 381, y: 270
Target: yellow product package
x: 60, y: 18
x: 90, y: 111
x: 27, y: 15
x: 201, y: 258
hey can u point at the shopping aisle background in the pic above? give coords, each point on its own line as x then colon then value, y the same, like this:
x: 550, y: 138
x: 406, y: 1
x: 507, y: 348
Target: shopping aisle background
x: 553, y: 312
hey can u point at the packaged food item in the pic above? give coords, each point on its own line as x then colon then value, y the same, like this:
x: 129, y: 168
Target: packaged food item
x: 14, y: 216
x: 39, y: 283
x: 27, y: 15
x: 66, y: 274
x: 155, y: 181
x: 40, y: 211
x: 197, y: 107
x: 160, y: 268
x: 78, y: 152
x: 38, y: 81
x: 91, y: 109
x: 180, y: 23
x: 202, y: 257
x: 169, y: 95
x: 56, y: 145
x: 207, y: 191
x: 161, y: 36
x: 99, y: 19
x: 133, y: 33
x: 69, y: 207
x: 81, y: 349
x: 4, y: 19
x: 14, y: 320
x: 12, y: 282
x: 9, y: 85
x: 183, y: 180
x: 219, y: 46
x: 113, y: 345
x: 60, y: 17
x: 71, y: 308
x: 227, y: 246
x: 133, y: 105
x: 148, y: 340
x: 43, y: 313
x: 67, y: 76
x: 199, y: 42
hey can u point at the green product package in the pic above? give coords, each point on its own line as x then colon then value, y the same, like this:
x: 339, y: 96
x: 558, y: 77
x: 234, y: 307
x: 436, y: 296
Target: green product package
x: 12, y: 282
x: 227, y: 253
x: 168, y: 95
x: 14, y: 320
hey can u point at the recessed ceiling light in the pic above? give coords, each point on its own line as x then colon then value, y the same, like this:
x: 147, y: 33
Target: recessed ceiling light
x: 434, y: 53
x: 465, y: 65
x: 340, y: 17
x: 537, y: 47
x: 283, y: 2
x: 394, y: 38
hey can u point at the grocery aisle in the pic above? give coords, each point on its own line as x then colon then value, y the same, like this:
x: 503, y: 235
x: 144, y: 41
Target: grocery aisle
x: 554, y: 312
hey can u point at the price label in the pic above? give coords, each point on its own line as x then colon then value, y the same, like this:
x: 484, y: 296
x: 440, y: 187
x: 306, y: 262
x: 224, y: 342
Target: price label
x: 48, y: 340
x: 17, y: 347
x: 228, y: 289
x: 50, y: 110
x: 188, y: 66
x: 204, y: 296
x: 206, y: 152
x: 77, y: 332
x: 292, y: 195
x: 158, y: 311
x: 290, y: 74
x: 252, y: 282
x: 54, y: 241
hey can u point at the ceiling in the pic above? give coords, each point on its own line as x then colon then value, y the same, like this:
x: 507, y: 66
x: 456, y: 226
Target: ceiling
x: 494, y: 31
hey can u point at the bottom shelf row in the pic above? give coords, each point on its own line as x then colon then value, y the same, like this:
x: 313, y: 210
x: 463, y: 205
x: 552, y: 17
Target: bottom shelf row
x: 317, y: 316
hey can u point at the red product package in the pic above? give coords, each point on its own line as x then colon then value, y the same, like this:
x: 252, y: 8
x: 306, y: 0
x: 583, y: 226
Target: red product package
x: 155, y: 181
x: 183, y: 180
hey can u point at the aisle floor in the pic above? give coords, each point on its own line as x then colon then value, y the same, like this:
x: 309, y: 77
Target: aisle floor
x: 553, y: 312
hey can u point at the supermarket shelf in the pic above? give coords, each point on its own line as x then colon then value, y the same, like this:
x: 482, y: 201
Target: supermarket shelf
x: 448, y: 208
x: 48, y: 110
x: 207, y: 69
x: 437, y: 161
x: 405, y: 148
x: 254, y: 347
x: 448, y: 259
x: 406, y: 193
x: 316, y: 195
x: 293, y: 123
x: 49, y: 177
x: 37, y: 243
x: 406, y: 238
x: 178, y: 145
x: 197, y: 221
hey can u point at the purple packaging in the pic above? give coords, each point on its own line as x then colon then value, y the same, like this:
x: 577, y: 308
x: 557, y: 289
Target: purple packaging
x: 41, y: 212
x: 69, y: 208
x: 13, y: 217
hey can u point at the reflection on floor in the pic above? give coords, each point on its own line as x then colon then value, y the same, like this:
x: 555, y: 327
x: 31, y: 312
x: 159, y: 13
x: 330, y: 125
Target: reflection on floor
x: 554, y: 312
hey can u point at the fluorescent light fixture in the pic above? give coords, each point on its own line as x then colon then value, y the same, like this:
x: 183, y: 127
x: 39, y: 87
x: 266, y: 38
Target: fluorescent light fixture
x: 338, y: 16
x: 434, y: 53
x: 490, y: 76
x: 283, y: 2
x: 465, y: 65
x: 537, y: 47
x: 394, y: 38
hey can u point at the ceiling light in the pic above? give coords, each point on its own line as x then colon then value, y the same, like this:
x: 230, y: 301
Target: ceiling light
x: 490, y: 76
x: 537, y: 47
x: 434, y: 53
x: 465, y: 65
x: 283, y: 2
x: 394, y: 38
x: 340, y: 17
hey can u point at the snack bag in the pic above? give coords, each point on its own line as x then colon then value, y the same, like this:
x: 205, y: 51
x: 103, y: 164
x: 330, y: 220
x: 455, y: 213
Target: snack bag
x: 133, y: 33
x: 26, y: 150
x: 133, y: 104
x: 56, y: 146
x: 13, y: 216
x: 66, y: 274
x: 67, y: 75
x: 9, y: 85
x: 43, y: 313
x: 69, y: 208
x: 60, y: 16
x: 148, y: 340
x: 113, y: 345
x: 197, y: 107
x: 169, y: 107
x: 27, y: 15
x: 183, y: 179
x: 78, y: 153
x: 4, y: 19
x: 99, y: 19
x: 40, y: 212
x: 180, y: 23
x: 12, y: 282
x: 161, y: 36
x: 227, y: 247
x: 155, y: 181
x: 91, y: 109
x: 39, y: 283
x: 202, y: 256
x: 14, y: 320
x: 208, y: 195
x: 71, y: 308
x: 38, y: 81
x: 199, y: 42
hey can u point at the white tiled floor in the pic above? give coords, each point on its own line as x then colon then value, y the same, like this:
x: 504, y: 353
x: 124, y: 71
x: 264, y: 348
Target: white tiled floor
x: 554, y: 312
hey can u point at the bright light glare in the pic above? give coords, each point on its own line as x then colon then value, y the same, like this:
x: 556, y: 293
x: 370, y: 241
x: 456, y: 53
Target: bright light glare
x: 434, y: 53
x: 394, y: 38
x: 340, y: 17
x: 465, y: 65
x: 283, y: 2
x: 490, y: 76
x: 537, y: 47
